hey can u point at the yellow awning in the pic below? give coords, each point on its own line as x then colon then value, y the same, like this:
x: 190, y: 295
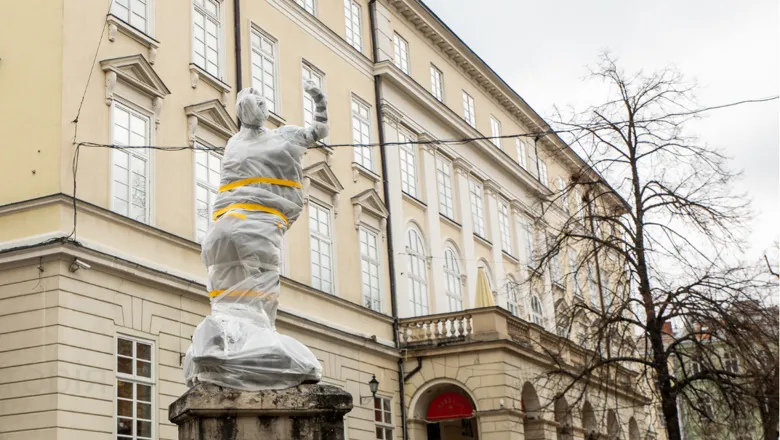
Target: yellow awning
x: 484, y: 294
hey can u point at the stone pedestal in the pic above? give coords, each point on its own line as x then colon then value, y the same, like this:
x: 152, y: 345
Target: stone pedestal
x: 305, y: 412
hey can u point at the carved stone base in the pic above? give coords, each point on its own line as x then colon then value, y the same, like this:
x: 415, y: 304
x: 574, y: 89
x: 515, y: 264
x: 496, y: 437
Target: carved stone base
x: 305, y: 412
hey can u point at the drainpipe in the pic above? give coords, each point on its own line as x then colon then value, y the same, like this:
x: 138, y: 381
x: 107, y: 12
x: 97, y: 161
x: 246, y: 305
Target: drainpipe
x: 237, y: 43
x: 386, y: 192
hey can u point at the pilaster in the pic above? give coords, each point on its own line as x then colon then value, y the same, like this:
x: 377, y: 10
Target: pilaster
x: 437, y: 297
x: 497, y: 265
x: 462, y: 169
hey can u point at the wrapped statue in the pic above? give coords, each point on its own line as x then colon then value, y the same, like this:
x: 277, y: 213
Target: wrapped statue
x: 260, y: 197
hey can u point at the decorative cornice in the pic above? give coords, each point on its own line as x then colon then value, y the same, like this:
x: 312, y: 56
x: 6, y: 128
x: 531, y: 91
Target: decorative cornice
x: 369, y: 202
x: 462, y: 166
x: 491, y: 187
x: 116, y: 24
x: 322, y: 176
x: 213, y: 115
x: 360, y: 170
x: 197, y: 73
x: 391, y: 114
x: 137, y: 73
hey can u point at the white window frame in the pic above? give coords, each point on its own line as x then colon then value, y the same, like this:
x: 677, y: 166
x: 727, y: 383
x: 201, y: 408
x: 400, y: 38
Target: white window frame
x: 308, y: 71
x: 521, y: 153
x: 401, y: 53
x: 469, y: 112
x: 259, y: 58
x: 385, y: 425
x: 131, y: 153
x: 371, y: 288
x: 354, y: 34
x: 477, y: 202
x: 307, y: 5
x: 444, y: 185
x: 536, y: 312
x: 212, y: 189
x: 512, y: 302
x: 437, y: 83
x: 592, y: 288
x: 452, y: 275
x: 128, y: 4
x: 417, y: 273
x: 564, y: 193
x: 322, y: 238
x: 543, y: 177
x: 495, y: 131
x: 407, y: 154
x: 215, y: 19
x: 361, y: 133
x: 573, y: 257
x: 135, y: 379
x: 503, y: 226
x: 528, y: 242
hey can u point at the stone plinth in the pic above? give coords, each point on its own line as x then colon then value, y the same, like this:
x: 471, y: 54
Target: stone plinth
x: 305, y: 412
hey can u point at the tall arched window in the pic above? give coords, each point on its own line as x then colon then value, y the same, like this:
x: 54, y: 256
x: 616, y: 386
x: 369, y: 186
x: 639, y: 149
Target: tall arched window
x: 512, y: 294
x: 418, y: 273
x: 537, y: 314
x: 452, y: 275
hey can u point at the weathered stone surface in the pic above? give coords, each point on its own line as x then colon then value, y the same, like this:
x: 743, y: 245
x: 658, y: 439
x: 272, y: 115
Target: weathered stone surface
x: 305, y: 412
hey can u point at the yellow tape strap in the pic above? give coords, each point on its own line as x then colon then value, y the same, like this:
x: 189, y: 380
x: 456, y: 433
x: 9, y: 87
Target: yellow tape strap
x: 266, y: 180
x: 250, y: 207
x: 237, y: 215
x: 216, y: 293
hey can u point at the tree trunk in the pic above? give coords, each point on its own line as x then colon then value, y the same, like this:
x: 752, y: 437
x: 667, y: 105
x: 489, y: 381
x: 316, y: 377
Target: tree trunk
x: 770, y: 413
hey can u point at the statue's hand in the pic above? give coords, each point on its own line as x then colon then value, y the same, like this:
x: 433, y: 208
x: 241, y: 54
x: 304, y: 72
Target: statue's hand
x: 311, y: 88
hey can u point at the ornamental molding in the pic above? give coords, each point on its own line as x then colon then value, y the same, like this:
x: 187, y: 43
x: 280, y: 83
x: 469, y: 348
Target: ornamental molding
x: 322, y: 176
x: 115, y: 24
x: 136, y: 72
x: 211, y: 114
x: 461, y: 166
x: 197, y: 74
x: 370, y: 203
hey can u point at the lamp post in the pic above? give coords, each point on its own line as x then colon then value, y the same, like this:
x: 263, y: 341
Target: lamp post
x: 373, y: 385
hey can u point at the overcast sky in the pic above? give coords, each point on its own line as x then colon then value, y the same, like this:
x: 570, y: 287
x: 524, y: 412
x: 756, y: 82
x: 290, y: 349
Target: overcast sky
x: 730, y: 48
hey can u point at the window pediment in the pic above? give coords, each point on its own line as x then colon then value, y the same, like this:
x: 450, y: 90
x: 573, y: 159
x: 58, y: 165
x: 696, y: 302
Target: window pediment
x: 211, y: 114
x: 135, y: 71
x: 369, y: 202
x: 322, y: 176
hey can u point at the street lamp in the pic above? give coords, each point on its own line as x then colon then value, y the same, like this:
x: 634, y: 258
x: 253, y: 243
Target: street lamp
x: 373, y: 385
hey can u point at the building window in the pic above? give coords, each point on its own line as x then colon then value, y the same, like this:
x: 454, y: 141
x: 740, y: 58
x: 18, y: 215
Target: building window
x: 437, y: 83
x: 130, y: 167
x: 564, y: 195
x: 511, y: 296
x: 578, y: 204
x: 134, y: 389
x: 206, y: 33
x: 477, y: 208
x: 503, y: 227
x: 705, y: 405
x: 369, y: 264
x: 321, y: 248
x: 307, y: 5
x: 730, y: 362
x: 360, y: 133
x: 573, y: 272
x: 521, y: 154
x: 207, y: 169
x: 495, y: 131
x: 264, y: 67
x: 452, y: 274
x: 594, y: 295
x: 556, y: 270
x: 528, y: 241
x: 383, y: 418
x: 543, y: 173
x: 468, y: 110
x: 537, y: 314
x: 444, y: 182
x: 418, y: 279
x: 310, y: 73
x: 401, y: 48
x: 352, y: 18
x: 134, y: 12
x: 408, y: 164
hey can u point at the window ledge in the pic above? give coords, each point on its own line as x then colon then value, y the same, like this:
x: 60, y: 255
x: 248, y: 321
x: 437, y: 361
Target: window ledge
x: 483, y: 240
x: 116, y: 24
x: 511, y: 257
x: 276, y: 119
x: 414, y: 200
x: 558, y: 285
x: 450, y: 221
x: 197, y: 73
x: 360, y: 170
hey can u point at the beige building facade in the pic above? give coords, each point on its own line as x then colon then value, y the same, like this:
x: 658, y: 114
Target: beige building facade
x: 101, y: 284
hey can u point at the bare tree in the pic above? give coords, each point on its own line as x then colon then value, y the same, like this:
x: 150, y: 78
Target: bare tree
x: 655, y: 233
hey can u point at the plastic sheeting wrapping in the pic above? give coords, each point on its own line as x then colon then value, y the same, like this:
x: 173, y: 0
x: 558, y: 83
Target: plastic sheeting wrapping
x: 260, y: 197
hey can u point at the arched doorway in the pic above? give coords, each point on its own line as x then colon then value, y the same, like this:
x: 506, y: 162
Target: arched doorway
x: 564, y: 419
x: 444, y: 411
x: 534, y: 429
x: 589, y: 424
x: 613, y: 426
x: 633, y: 430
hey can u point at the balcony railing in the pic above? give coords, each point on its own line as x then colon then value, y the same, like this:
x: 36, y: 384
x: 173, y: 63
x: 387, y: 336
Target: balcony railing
x: 436, y: 330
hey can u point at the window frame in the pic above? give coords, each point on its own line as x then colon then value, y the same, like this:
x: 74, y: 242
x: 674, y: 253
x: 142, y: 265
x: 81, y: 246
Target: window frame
x: 134, y: 379
x: 495, y: 131
x: 219, y: 19
x: 408, y: 152
x: 592, y: 287
x: 544, y: 178
x: 504, y: 226
x: 401, y: 57
x: 476, y: 191
x: 376, y: 261
x: 469, y: 110
x: 317, y: 235
x: 436, y: 73
x: 305, y: 6
x: 454, y: 295
x: 522, y: 154
x: 573, y: 258
x: 421, y: 278
x: 349, y: 24
x: 444, y: 186
x: 258, y: 52
x: 149, y: 158
x: 512, y: 302
x: 536, y: 316
x: 149, y: 19
x: 361, y: 154
x: 564, y: 194
x: 206, y: 185
x: 386, y: 411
